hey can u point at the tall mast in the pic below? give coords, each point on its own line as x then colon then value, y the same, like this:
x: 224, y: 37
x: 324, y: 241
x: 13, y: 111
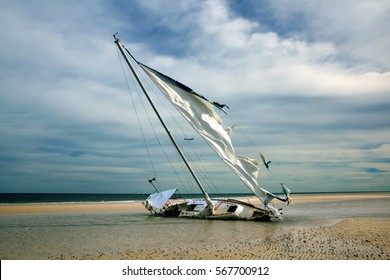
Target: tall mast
x: 175, y: 144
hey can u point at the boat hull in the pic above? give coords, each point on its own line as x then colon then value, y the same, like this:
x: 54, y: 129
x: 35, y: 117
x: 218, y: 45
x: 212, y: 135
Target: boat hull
x: 224, y: 209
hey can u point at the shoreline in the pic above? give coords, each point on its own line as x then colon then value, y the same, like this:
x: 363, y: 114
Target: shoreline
x: 53, y: 207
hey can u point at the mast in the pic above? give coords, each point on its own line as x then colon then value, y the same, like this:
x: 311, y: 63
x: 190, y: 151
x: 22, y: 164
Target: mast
x: 175, y: 144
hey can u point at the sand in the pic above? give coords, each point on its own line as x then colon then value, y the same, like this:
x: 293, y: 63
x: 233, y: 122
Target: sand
x: 356, y: 238
x: 31, y: 208
x: 351, y: 239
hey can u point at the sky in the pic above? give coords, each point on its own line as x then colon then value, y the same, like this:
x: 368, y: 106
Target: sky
x: 308, y: 83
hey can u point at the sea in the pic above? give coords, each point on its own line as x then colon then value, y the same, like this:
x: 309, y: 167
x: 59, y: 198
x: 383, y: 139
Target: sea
x: 89, y: 197
x: 89, y: 234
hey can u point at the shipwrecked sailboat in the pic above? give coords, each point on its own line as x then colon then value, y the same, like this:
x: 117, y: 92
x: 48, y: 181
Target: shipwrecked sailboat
x: 202, y: 116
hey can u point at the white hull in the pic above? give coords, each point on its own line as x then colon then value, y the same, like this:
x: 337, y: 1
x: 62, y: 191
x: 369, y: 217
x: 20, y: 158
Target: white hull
x: 224, y: 209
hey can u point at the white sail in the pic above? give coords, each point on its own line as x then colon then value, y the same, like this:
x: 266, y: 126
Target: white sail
x: 157, y: 200
x: 200, y: 113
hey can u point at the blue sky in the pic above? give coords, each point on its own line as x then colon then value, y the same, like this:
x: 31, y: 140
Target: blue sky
x: 307, y: 81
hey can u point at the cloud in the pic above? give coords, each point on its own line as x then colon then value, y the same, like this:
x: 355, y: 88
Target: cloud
x: 308, y: 83
x: 227, y: 48
x: 355, y: 27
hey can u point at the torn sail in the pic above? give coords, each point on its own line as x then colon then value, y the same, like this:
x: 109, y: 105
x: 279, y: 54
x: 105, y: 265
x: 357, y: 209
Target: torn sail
x: 159, y: 199
x: 200, y: 113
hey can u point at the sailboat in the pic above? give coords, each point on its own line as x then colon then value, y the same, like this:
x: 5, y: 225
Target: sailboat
x: 204, y: 119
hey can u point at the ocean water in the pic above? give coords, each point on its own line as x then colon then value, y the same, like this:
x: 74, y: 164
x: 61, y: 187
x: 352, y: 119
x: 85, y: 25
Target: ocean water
x: 87, y: 197
x: 56, y: 235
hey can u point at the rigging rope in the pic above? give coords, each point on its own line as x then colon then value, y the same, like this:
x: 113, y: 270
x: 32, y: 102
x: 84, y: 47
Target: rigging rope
x: 141, y: 98
x: 198, y: 164
x: 138, y: 119
x: 201, y: 170
x: 152, y: 90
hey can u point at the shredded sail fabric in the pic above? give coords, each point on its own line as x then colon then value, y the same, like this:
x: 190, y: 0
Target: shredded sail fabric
x: 287, y: 192
x: 229, y: 130
x: 200, y: 113
x: 266, y: 163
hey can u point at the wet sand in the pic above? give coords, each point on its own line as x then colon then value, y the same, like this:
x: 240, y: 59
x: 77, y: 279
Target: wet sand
x: 351, y: 239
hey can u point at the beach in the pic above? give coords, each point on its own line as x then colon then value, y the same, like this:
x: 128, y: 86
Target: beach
x: 318, y: 227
